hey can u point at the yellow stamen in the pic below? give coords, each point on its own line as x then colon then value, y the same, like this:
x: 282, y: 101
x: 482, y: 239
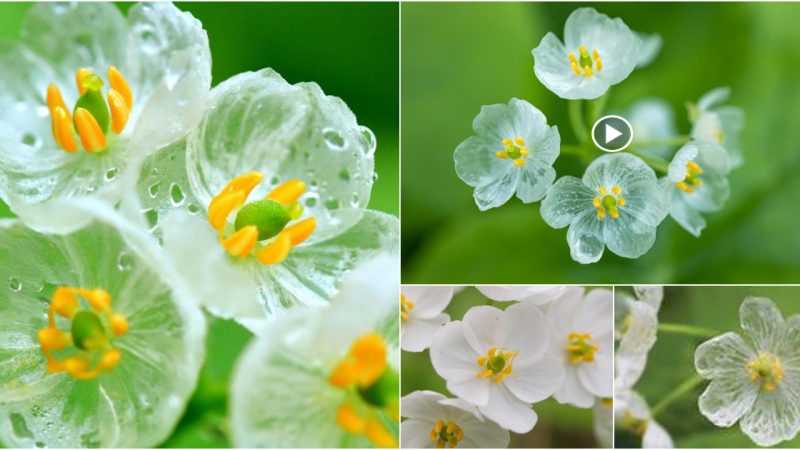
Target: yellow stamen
x: 54, y: 98
x: 581, y: 347
x: 602, y: 190
x: 243, y: 183
x: 364, y: 364
x: 91, y: 135
x: 573, y: 60
x: 575, y: 68
x: 507, y: 142
x: 221, y: 207
x: 349, y: 420
x: 80, y: 75
x: 288, y: 192
x: 276, y: 251
x: 119, y: 325
x: 693, y: 168
x: 110, y: 359
x: 616, y: 190
x: 519, y: 162
x: 614, y: 213
x: 601, y: 214
x: 378, y: 435
x: 587, y: 70
x: 62, y: 130
x: 598, y: 62
x: 519, y: 141
x: 99, y: 299
x: 241, y: 243
x: 52, y: 339
x: 684, y: 187
x: 767, y: 369
x: 523, y: 151
x: 120, y: 111
x: 596, y: 202
x: 582, y: 50
x: 621, y: 201
x: 119, y: 84
x: 406, y: 305
x: 502, y: 154
x: 64, y: 303
x: 300, y: 231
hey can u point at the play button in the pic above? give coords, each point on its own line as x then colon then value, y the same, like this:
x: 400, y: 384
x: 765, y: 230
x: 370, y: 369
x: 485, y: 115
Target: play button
x: 612, y: 133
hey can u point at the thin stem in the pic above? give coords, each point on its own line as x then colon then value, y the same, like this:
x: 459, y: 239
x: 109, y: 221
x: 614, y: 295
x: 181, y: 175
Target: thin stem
x: 576, y: 120
x: 595, y: 108
x: 657, y: 163
x: 688, y: 330
x: 568, y: 149
x: 687, y: 386
x: 669, y: 142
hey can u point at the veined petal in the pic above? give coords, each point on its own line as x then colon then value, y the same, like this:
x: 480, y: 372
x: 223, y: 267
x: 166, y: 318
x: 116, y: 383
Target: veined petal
x: 566, y: 200
x: 687, y: 216
x: 775, y: 416
x: 727, y: 353
x: 586, y: 238
x: 628, y: 237
x: 728, y: 398
x: 535, y: 179
x: 497, y: 191
x: 763, y: 322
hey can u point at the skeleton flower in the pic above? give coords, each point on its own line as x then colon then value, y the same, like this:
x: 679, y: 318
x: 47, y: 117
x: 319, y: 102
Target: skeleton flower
x: 326, y: 376
x: 754, y: 379
x: 421, y: 312
x: 636, y: 324
x: 435, y: 421
x: 597, y: 53
x: 697, y: 182
x: 618, y: 204
x: 513, y: 150
x: 582, y: 340
x: 652, y: 119
x: 632, y: 415
x: 649, y: 48
x: 100, y: 343
x: 86, y: 92
x: 496, y: 361
x: 536, y: 295
x: 718, y: 124
x: 270, y: 190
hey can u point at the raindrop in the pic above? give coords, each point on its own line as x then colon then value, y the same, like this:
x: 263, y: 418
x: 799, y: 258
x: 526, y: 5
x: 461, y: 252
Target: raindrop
x: 313, y: 183
x: 124, y: 262
x: 30, y: 139
x: 152, y: 218
x: 354, y: 202
x: 14, y: 284
x: 344, y: 174
x: 375, y: 176
x: 311, y: 199
x: 333, y: 203
x: 176, y: 195
x: 333, y: 138
x: 369, y: 141
x: 111, y: 174
x: 153, y: 189
x: 192, y: 208
x: 274, y: 181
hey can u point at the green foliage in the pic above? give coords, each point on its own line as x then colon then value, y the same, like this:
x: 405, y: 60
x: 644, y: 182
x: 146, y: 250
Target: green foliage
x: 459, y: 57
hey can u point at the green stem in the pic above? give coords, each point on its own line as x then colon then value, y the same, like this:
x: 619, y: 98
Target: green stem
x: 657, y: 163
x: 576, y: 120
x: 687, y: 386
x: 567, y: 149
x: 669, y: 142
x: 595, y: 108
x: 688, y: 330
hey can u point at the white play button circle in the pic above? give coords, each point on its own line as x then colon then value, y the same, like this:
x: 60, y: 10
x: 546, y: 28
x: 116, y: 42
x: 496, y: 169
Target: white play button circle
x: 612, y: 133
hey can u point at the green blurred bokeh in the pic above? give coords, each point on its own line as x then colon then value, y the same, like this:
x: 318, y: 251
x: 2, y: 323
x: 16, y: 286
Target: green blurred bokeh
x: 559, y: 426
x: 351, y: 50
x: 458, y: 57
x: 671, y: 361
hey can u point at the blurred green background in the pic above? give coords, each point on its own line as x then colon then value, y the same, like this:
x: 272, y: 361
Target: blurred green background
x: 559, y: 426
x: 671, y: 361
x: 457, y: 57
x: 351, y: 50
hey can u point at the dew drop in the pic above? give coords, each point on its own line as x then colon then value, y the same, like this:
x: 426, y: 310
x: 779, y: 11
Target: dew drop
x: 153, y: 189
x: 152, y: 218
x: 375, y: 176
x: 40, y: 444
x: 354, y: 201
x: 311, y: 199
x: 274, y: 181
x: 344, y: 174
x: 313, y: 183
x: 333, y: 203
x: 333, y: 139
x: 111, y: 174
x: 30, y: 139
x: 176, y: 195
x: 192, y: 208
x: 14, y: 284
x: 369, y: 141
x: 124, y: 262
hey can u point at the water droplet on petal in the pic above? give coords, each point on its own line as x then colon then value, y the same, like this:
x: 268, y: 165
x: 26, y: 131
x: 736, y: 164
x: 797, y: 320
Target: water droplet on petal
x: 344, y: 174
x: 153, y: 189
x: 369, y: 141
x: 14, y: 284
x: 30, y: 139
x: 192, y: 208
x: 111, y: 174
x: 151, y: 215
x: 333, y: 203
x: 176, y: 195
x: 333, y: 139
x: 124, y: 262
x: 311, y: 199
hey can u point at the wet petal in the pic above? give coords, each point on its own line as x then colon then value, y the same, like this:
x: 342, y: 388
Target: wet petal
x: 629, y: 237
x: 567, y: 199
x: 497, y: 191
x: 586, y: 238
x: 775, y: 416
x: 728, y: 398
x: 535, y: 179
x: 727, y: 353
x: 763, y: 322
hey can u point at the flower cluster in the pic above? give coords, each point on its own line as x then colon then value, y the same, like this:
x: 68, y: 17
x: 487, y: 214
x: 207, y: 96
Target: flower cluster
x: 538, y: 342
x: 143, y: 196
x: 620, y: 201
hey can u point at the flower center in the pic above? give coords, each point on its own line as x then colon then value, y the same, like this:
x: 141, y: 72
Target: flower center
x: 372, y: 386
x: 446, y: 435
x: 636, y: 425
x: 767, y: 370
x: 86, y: 350
x: 91, y: 115
x: 581, y: 347
x: 262, y: 221
x: 608, y: 204
x: 585, y: 65
x: 405, y: 307
x: 514, y: 149
x: 692, y: 180
x: 496, y: 364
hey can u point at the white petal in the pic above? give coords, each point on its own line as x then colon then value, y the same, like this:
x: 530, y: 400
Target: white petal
x: 421, y: 405
x: 536, y: 381
x: 572, y: 391
x: 416, y: 433
x: 429, y: 301
x: 485, y: 327
x: 508, y: 411
x: 656, y: 436
x: 598, y: 376
x: 527, y: 332
x: 456, y: 361
x: 418, y: 333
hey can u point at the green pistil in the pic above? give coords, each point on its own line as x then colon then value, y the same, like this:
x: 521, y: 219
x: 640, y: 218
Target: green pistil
x: 269, y: 216
x: 384, y: 391
x: 496, y: 364
x: 88, y: 331
x: 93, y: 101
x: 513, y: 151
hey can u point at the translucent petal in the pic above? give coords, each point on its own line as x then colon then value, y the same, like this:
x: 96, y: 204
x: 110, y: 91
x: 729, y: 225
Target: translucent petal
x: 476, y: 160
x: 652, y: 119
x: 651, y: 295
x: 627, y: 236
x: 567, y: 199
x: 651, y: 45
x: 728, y: 398
x: 639, y: 337
x: 677, y: 167
x: 174, y: 71
x: 428, y: 301
x: 535, y: 179
x: 775, y: 416
x: 518, y: 118
x: 763, y: 322
x: 497, y: 191
x: 724, y: 354
x: 687, y: 217
x: 585, y: 238
x: 789, y: 351
x: 619, y: 169
x: 552, y: 68
x: 256, y: 121
x: 161, y: 353
x: 733, y: 119
x: 714, y: 97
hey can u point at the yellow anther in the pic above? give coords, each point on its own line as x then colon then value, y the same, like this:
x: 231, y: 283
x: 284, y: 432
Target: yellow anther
x: 52, y: 339
x: 693, y: 168
x: 75, y: 366
x: 364, y: 363
x: 576, y: 69
x: 621, y: 201
x: 80, y: 75
x: 614, y: 213
x: 119, y: 84
x: 507, y: 142
x: 519, y: 162
x: 378, y: 435
x: 597, y: 61
x: 89, y: 130
x: 523, y: 151
x: 120, y: 111
x: 573, y: 60
x: 602, y: 190
x: 601, y: 214
x: 99, y: 299
x: 62, y: 130
x: 119, y: 324
x: 54, y: 98
x: 582, y: 50
x: 767, y: 369
x: 276, y: 251
x: 596, y: 202
x: 492, y: 351
x: 110, y: 359
x: 616, y: 190
x: 64, y: 302
x: 502, y: 154
x: 581, y: 347
x: 587, y: 70
x: 288, y: 192
x: 482, y: 360
x: 241, y: 243
x: 595, y: 55
x: 406, y: 305
x: 349, y: 420
x: 300, y: 231
x: 243, y: 183
x: 519, y: 141
x: 221, y: 207
x: 607, y: 402
x: 684, y: 187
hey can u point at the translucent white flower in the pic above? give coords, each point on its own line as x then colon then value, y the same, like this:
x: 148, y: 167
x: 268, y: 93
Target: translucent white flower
x: 141, y: 82
x: 618, y: 204
x: 632, y: 415
x: 696, y: 183
x: 582, y: 340
x: 496, y: 361
x: 652, y: 119
x: 718, y: 124
x: 598, y: 52
x: 513, y: 150
x: 435, y: 421
x: 636, y: 324
x: 603, y: 422
x: 648, y: 50
x: 421, y: 313
x: 100, y: 341
x: 273, y: 185
x: 534, y: 294
x: 325, y: 376
x: 755, y: 380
